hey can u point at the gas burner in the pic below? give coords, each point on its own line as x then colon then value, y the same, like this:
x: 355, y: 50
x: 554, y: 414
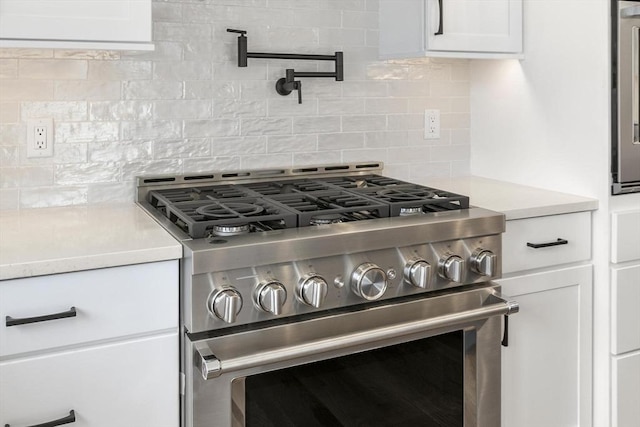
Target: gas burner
x: 411, y: 210
x: 230, y: 230
x: 397, y: 195
x: 229, y: 210
x: 325, y: 219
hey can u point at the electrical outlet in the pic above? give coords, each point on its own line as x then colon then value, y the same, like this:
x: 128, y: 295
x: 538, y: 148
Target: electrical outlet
x: 40, y: 138
x: 431, y: 124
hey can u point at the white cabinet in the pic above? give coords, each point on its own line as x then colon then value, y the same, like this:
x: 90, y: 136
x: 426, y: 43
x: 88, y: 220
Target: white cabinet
x: 109, y: 24
x: 546, y: 377
x: 452, y: 28
x: 625, y: 317
x: 112, y: 360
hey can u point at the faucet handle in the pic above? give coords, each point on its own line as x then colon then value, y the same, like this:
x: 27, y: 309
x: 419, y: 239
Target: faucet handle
x: 241, y: 32
x: 297, y: 85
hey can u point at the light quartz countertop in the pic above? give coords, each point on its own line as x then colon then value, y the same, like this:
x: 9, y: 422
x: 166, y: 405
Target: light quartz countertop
x: 514, y: 200
x: 36, y: 242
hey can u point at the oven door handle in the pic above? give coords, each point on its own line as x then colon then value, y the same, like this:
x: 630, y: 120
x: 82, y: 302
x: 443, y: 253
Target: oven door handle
x: 211, y: 367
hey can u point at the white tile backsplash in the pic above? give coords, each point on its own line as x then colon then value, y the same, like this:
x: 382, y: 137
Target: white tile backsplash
x: 188, y: 107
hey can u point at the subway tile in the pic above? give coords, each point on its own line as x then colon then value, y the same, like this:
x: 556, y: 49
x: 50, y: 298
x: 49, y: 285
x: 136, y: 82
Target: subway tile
x: 405, y: 121
x: 182, y: 32
x: 83, y: 173
x: 185, y: 109
x: 266, y: 126
x: 94, y: 90
x: 239, y: 146
x: 364, y: 123
x: 266, y: 161
x: 121, y: 111
x: 209, y: 128
x: 292, y: 143
x: 49, y: 69
x: 181, y: 148
x: 316, y: 158
x: 13, y: 134
x: 239, y: 108
x: 31, y: 176
x: 151, y: 129
x: 182, y: 70
x: 387, y: 139
x: 57, y: 110
x: 120, y: 151
x: 320, y: 124
x: 386, y: 105
x: 119, y: 70
x: 340, y: 141
x: 53, y: 196
x: 9, y: 156
x: 25, y: 90
x: 152, y: 90
x: 70, y: 153
x: 74, y: 132
x: 339, y: 106
x: 98, y: 55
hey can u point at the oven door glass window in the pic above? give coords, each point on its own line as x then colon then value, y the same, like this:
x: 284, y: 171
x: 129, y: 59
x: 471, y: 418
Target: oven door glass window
x: 419, y: 383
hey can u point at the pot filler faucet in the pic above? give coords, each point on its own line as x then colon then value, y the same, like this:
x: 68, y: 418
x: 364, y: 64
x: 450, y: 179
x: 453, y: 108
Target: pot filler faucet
x: 287, y: 84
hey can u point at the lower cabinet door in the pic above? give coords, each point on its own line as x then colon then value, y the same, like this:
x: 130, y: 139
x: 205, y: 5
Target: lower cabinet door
x: 133, y: 383
x: 546, y: 368
x: 626, y: 390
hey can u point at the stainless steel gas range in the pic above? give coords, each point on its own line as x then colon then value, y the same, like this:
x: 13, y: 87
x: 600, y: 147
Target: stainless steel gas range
x: 334, y: 296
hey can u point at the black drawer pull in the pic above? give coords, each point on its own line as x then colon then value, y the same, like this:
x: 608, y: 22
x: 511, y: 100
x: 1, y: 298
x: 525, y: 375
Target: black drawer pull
x: 440, y: 19
x: 15, y: 322
x: 546, y: 245
x: 71, y: 418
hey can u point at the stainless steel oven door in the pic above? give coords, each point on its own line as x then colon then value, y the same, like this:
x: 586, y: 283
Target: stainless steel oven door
x: 626, y: 154
x: 220, y: 381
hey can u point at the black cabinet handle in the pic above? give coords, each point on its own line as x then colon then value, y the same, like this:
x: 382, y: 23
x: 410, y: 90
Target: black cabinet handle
x: 440, y: 19
x: 505, y: 335
x: 10, y: 321
x: 71, y: 418
x: 546, y: 245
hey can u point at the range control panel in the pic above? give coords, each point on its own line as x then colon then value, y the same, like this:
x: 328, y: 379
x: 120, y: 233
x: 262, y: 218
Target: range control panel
x: 253, y: 294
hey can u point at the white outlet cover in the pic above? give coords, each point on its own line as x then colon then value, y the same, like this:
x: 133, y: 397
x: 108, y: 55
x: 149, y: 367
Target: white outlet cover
x: 47, y: 138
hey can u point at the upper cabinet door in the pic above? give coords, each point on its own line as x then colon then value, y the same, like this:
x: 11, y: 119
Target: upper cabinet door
x: 450, y: 28
x: 474, y: 25
x: 88, y: 21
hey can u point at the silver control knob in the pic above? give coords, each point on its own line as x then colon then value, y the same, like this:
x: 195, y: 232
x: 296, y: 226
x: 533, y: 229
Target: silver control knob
x: 369, y: 281
x: 451, y: 267
x: 270, y: 297
x: 418, y: 273
x: 312, y: 290
x: 225, y: 304
x: 484, y: 262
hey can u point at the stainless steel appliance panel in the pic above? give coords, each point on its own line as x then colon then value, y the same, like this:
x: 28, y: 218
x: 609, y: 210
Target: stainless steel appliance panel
x: 626, y: 149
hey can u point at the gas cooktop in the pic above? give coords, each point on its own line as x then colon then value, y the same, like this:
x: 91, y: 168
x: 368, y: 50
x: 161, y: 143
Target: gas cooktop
x: 237, y: 203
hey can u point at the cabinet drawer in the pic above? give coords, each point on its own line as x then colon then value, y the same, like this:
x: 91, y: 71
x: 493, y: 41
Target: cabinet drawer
x: 135, y: 383
x: 626, y: 390
x: 520, y: 235
x: 625, y: 316
x: 625, y: 236
x: 109, y: 303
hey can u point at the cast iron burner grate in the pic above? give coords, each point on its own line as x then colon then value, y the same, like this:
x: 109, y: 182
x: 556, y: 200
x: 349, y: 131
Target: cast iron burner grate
x: 313, y: 208
x: 413, y: 197
x: 287, y: 187
x: 162, y: 198
x: 364, y: 181
x: 199, y: 217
